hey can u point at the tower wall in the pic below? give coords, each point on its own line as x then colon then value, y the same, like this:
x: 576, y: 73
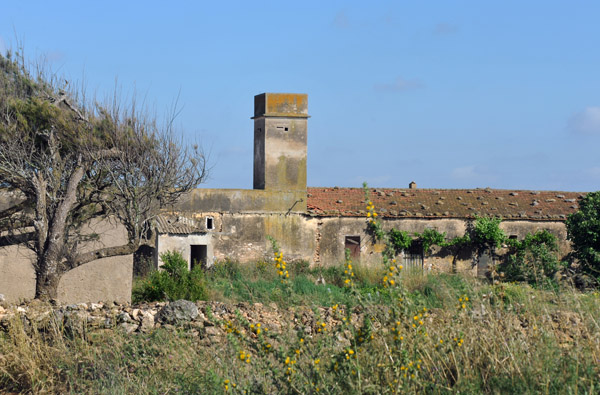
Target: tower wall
x: 280, y: 139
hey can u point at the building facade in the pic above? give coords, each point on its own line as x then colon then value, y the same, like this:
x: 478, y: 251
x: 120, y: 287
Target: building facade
x: 311, y: 224
x: 318, y: 224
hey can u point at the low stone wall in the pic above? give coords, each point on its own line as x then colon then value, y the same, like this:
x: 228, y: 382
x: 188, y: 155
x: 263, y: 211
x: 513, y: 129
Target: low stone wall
x: 210, y: 322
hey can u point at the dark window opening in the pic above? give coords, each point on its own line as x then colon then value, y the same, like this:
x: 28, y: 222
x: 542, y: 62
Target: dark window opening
x: 209, y: 223
x: 198, y: 255
x: 513, y: 237
x: 413, y: 256
x: 353, y: 244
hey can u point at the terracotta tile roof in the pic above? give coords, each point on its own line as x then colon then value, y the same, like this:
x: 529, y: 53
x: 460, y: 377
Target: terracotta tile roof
x: 444, y: 203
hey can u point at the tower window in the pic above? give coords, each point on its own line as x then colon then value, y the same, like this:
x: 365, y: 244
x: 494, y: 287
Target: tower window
x: 210, y: 223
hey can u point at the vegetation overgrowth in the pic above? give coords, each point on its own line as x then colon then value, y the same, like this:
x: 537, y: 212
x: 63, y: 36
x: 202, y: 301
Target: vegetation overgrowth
x: 370, y: 329
x: 583, y: 229
x: 533, y: 260
x: 438, y: 333
x: 173, y: 282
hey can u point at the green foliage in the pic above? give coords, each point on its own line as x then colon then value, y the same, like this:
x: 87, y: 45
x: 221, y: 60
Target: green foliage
x: 429, y: 238
x: 486, y: 233
x: 583, y: 230
x: 533, y: 260
x: 230, y: 270
x: 459, y: 241
x: 174, y: 281
x: 400, y: 240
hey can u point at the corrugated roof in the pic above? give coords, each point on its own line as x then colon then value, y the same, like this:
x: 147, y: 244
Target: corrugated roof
x: 444, y: 203
x: 178, y: 225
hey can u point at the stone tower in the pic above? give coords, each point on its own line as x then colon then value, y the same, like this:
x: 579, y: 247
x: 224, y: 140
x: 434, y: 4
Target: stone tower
x: 280, y: 132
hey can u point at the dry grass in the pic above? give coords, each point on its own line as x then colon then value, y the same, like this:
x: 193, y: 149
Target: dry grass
x: 508, y: 338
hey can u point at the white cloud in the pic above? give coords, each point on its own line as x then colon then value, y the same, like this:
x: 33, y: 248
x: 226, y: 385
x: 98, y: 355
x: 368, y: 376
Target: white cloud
x: 399, y: 85
x: 586, y: 121
x: 443, y: 29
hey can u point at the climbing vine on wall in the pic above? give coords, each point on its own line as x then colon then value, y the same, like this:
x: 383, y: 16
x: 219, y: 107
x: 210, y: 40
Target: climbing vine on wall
x: 532, y: 260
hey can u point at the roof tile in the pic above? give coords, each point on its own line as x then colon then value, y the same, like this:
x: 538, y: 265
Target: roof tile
x: 456, y: 203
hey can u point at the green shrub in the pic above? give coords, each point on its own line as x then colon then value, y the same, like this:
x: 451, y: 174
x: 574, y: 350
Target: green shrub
x: 299, y: 266
x: 230, y: 270
x: 174, y: 281
x: 583, y: 230
x: 532, y: 260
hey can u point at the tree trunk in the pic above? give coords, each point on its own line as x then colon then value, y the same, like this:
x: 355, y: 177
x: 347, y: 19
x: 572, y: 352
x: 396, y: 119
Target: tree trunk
x: 46, y: 287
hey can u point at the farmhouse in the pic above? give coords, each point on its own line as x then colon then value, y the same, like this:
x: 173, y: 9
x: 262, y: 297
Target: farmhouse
x: 311, y: 224
x: 318, y: 224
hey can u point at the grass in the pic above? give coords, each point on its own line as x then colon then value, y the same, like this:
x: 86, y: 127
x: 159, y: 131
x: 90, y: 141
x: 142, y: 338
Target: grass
x: 435, y: 333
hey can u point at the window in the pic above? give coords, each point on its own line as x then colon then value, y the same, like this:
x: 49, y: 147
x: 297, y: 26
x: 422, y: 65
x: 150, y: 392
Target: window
x: 210, y: 223
x: 198, y: 255
x: 353, y: 244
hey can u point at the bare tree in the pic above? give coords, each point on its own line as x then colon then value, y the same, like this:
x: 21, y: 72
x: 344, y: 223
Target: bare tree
x: 64, y: 163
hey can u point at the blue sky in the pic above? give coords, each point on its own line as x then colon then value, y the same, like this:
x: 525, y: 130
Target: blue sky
x: 461, y: 94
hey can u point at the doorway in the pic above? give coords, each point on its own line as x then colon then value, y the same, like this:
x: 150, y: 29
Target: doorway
x: 198, y: 255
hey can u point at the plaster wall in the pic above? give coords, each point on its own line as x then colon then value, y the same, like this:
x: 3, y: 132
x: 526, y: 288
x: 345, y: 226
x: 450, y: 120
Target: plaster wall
x: 521, y: 228
x: 17, y: 276
x: 107, y: 279
x: 285, y: 154
x: 241, y: 200
x: 243, y: 236
x: 183, y: 243
x: 321, y: 240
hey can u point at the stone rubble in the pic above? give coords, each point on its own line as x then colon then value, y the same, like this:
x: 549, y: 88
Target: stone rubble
x: 205, y: 320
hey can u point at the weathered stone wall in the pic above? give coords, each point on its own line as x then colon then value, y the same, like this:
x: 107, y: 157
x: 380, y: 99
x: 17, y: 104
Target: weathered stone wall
x: 521, y: 228
x: 280, y: 135
x: 321, y: 240
x: 242, y: 237
x: 241, y: 200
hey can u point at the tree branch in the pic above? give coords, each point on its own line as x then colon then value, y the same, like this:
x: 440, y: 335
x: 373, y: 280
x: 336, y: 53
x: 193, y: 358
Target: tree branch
x: 100, y: 253
x: 11, y: 240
